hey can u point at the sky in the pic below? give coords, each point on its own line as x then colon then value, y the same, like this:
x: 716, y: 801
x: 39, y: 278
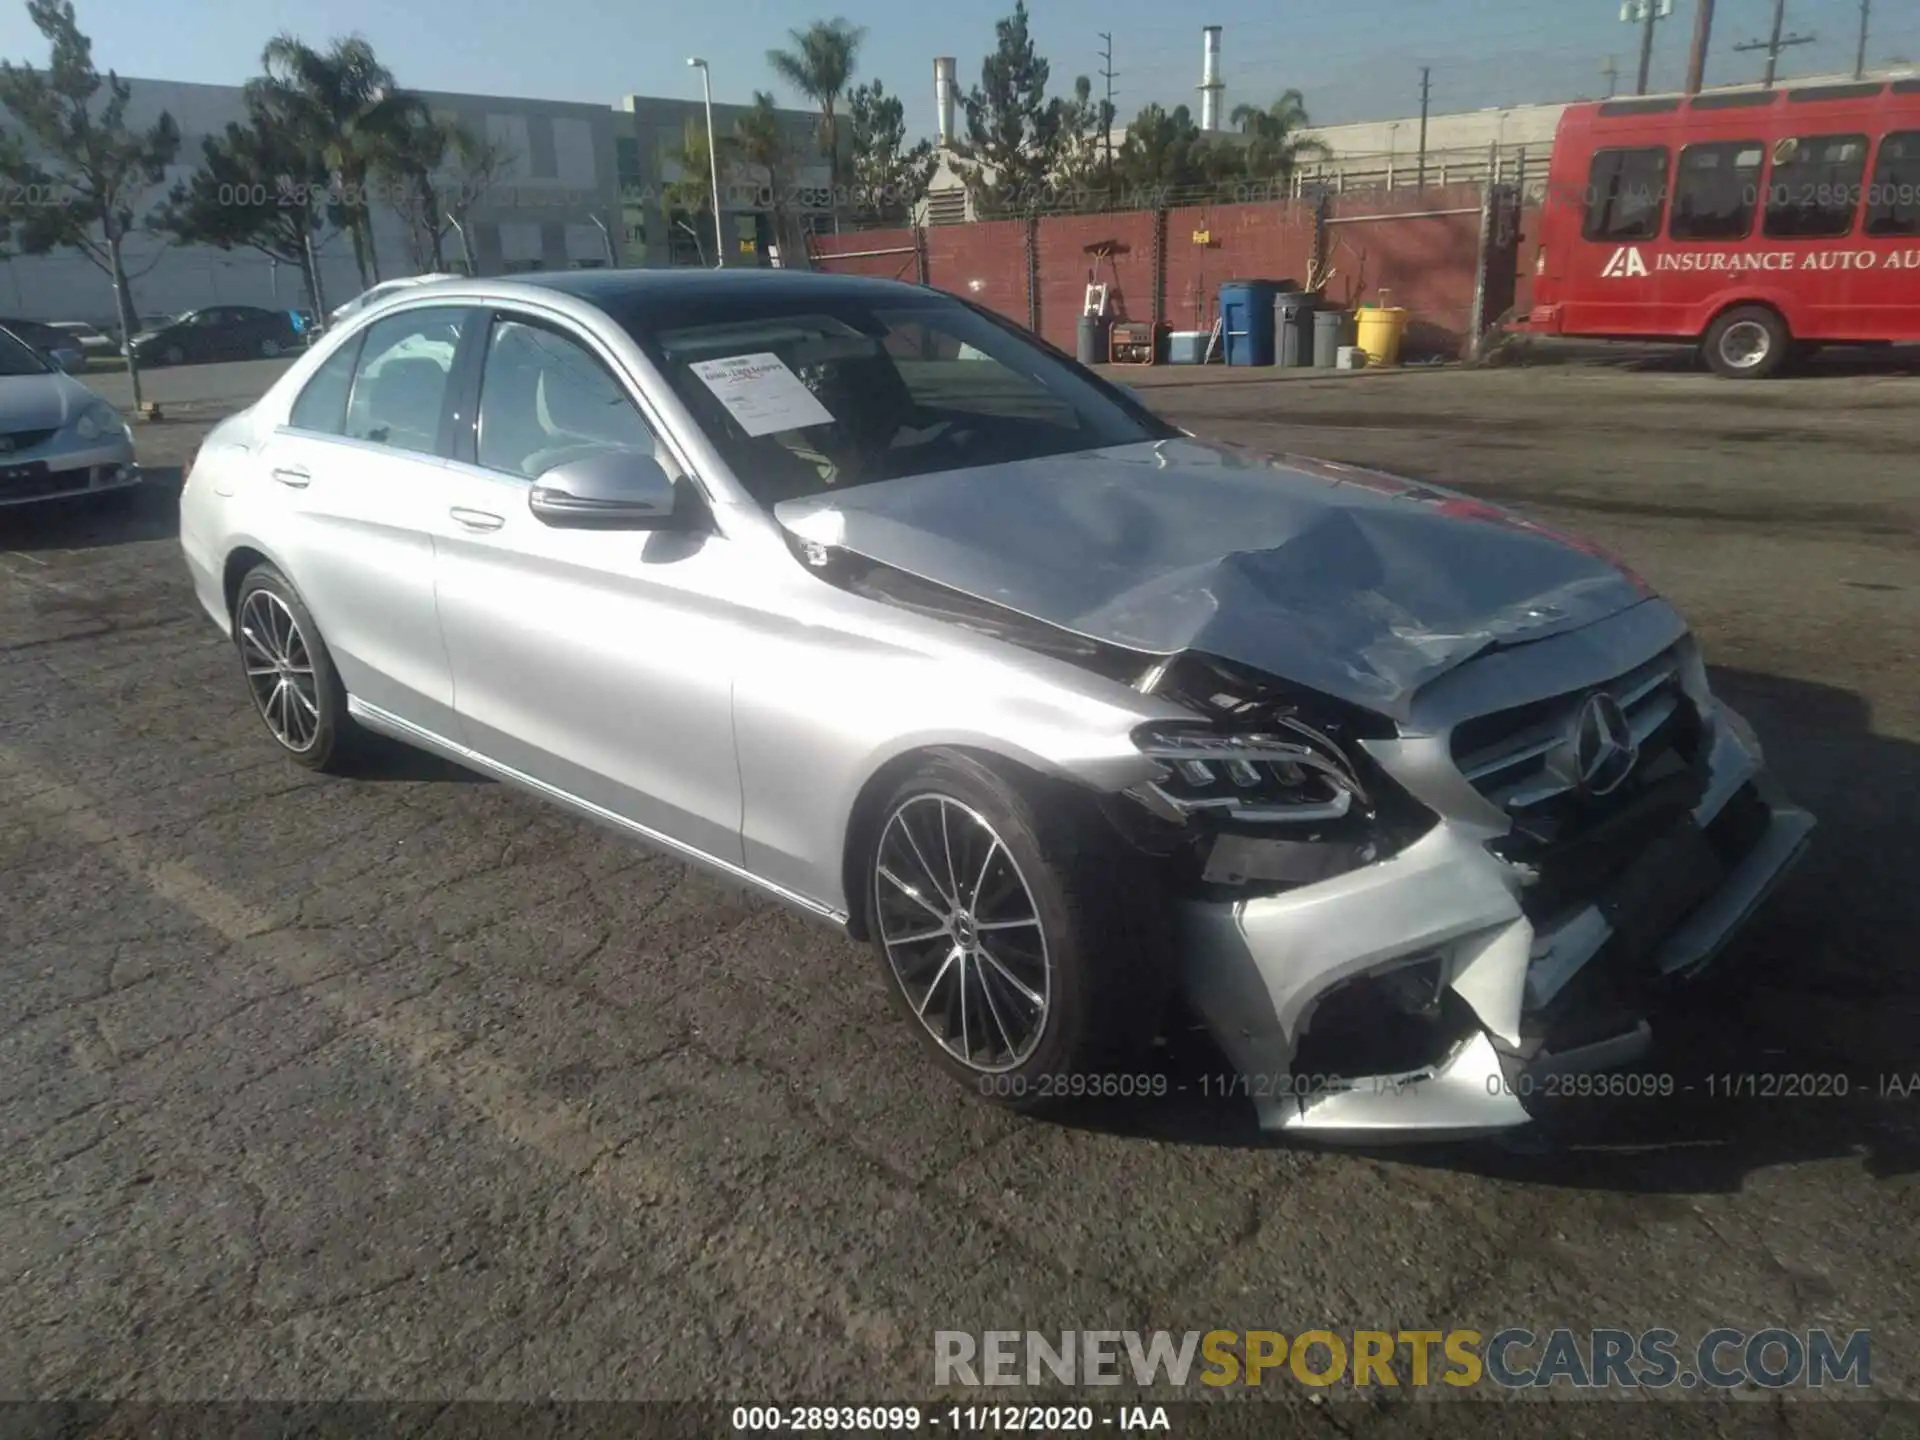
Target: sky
x: 1353, y: 59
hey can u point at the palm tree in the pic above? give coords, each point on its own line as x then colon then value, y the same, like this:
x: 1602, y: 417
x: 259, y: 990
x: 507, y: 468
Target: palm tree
x: 820, y: 66
x: 345, y: 105
x: 1276, y: 138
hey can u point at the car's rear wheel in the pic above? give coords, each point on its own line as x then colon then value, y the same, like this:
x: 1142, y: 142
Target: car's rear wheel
x: 1025, y: 943
x: 296, y: 691
x: 1749, y: 342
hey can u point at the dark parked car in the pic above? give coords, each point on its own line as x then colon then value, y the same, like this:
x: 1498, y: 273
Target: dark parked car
x: 60, y: 349
x: 219, y: 332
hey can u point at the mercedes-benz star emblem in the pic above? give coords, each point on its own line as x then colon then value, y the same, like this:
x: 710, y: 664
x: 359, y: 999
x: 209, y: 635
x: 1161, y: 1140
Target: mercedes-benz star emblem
x: 1604, y: 750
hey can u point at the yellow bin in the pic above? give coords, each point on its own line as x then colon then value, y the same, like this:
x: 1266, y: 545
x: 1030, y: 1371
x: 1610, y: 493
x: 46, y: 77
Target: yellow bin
x: 1379, y: 332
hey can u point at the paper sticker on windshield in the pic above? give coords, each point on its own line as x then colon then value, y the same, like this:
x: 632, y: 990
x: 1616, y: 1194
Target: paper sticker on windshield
x: 762, y: 393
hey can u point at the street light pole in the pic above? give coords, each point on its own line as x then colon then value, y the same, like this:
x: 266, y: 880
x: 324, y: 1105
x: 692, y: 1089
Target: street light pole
x: 713, y: 159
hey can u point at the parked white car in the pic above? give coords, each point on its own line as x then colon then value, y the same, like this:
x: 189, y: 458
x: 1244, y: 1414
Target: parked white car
x: 91, y: 339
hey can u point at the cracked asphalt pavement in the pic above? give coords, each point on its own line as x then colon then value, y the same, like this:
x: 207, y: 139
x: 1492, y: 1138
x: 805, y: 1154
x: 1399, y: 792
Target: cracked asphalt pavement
x: 412, y: 1087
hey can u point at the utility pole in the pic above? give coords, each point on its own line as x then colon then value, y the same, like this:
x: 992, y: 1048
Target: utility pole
x: 1106, y: 127
x: 1426, y: 94
x: 1612, y: 73
x: 1776, y: 42
x: 1697, y: 57
x: 1860, y: 55
x: 1650, y: 13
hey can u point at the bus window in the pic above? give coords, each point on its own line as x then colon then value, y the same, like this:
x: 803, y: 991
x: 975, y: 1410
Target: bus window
x: 1714, y: 191
x: 1815, y: 187
x: 1625, y: 189
x: 1893, y: 199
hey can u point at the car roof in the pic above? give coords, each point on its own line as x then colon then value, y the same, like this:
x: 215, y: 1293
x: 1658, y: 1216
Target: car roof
x: 647, y: 297
x: 631, y: 289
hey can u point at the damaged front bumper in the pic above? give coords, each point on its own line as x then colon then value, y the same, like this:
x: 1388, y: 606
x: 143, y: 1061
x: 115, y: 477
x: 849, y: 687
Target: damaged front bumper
x: 1512, y: 1001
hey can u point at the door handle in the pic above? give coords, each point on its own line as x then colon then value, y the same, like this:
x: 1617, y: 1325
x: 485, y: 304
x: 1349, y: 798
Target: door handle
x: 291, y: 475
x: 477, y: 519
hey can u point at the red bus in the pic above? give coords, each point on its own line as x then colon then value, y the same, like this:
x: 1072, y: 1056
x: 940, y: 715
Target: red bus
x: 1755, y: 222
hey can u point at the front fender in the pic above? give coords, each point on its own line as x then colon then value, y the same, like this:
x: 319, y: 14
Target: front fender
x: 825, y: 709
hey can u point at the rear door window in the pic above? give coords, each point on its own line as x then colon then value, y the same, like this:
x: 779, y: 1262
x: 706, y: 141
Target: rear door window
x: 1815, y: 186
x: 1715, y: 189
x: 400, y: 385
x: 1625, y: 192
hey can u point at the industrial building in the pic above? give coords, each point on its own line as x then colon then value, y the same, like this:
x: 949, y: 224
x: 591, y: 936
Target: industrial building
x: 581, y: 185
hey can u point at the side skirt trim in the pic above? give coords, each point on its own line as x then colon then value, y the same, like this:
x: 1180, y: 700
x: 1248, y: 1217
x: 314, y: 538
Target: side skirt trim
x: 405, y: 731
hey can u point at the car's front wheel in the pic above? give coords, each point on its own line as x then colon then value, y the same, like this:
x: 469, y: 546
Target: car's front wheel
x: 1025, y: 943
x: 269, y: 348
x: 295, y: 689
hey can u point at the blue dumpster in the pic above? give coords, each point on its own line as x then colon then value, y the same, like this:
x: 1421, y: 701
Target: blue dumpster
x: 1246, y: 319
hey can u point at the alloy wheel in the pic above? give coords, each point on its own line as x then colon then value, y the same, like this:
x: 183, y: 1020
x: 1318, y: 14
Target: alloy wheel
x: 279, y: 670
x: 962, y: 933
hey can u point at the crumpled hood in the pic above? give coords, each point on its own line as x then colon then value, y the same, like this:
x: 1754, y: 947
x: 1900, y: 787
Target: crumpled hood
x: 40, y: 402
x: 1356, y: 584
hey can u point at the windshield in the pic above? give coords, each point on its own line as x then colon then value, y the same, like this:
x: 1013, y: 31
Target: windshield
x: 18, y: 358
x: 803, y: 396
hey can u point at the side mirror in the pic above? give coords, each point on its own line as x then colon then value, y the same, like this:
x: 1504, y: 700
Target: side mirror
x: 613, y: 490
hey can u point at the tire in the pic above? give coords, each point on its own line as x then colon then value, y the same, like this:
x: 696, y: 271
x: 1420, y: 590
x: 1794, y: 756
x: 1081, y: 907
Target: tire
x: 173, y: 355
x: 269, y: 348
x: 303, y: 705
x: 1748, y: 342
x: 1096, y: 953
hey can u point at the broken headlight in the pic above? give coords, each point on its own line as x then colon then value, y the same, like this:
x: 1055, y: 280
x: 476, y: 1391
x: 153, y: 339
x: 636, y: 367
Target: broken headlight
x: 1286, y: 772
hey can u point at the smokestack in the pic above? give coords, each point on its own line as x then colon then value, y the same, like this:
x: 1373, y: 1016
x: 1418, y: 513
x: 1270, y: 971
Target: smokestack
x: 1210, y: 77
x: 943, y: 97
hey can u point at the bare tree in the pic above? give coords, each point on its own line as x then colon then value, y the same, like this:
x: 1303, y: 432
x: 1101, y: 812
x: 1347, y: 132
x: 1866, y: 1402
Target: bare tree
x: 78, y: 172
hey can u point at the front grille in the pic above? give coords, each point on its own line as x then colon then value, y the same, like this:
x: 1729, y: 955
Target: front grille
x: 26, y: 482
x: 1520, y: 760
x: 16, y: 441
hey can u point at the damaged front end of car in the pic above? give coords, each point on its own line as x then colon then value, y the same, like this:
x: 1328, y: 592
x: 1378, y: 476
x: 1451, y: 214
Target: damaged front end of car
x: 1410, y: 929
x: 1430, y: 840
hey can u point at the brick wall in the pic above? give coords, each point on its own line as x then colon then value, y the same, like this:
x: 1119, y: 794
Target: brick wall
x: 1242, y: 242
x: 1382, y: 246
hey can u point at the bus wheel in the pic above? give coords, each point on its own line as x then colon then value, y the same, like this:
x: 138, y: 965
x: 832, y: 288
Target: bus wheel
x: 1749, y: 342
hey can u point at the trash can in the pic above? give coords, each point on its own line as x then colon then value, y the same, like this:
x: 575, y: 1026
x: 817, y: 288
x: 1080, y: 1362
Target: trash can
x: 1331, y: 330
x: 1246, y: 319
x: 1380, y: 332
x: 1293, y: 327
x: 1092, y: 345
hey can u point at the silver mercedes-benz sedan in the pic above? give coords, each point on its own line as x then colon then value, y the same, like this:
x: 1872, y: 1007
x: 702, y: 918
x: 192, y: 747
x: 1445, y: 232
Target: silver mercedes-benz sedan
x: 858, y: 593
